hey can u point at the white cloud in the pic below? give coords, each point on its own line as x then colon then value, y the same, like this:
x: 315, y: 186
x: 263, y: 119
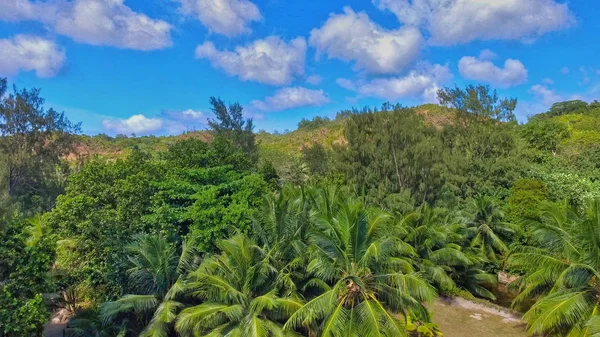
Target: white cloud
x: 270, y: 60
x: 18, y: 10
x: 226, y: 17
x: 178, y: 121
x: 545, y: 95
x: 547, y: 81
x: 346, y: 84
x: 352, y: 36
x: 192, y: 114
x: 459, y: 21
x: 96, y: 22
x: 314, y: 79
x: 585, y: 76
x: 479, y: 69
x: 526, y: 110
x: 27, y: 53
x: 188, y: 115
x: 138, y: 124
x: 290, y: 98
x: 110, y: 22
x: 564, y: 70
x: 422, y: 83
x: 487, y: 55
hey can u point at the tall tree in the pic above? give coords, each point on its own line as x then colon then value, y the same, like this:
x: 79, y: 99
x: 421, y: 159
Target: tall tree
x: 315, y: 156
x: 197, y: 191
x: 282, y: 227
x: 33, y: 142
x: 545, y: 134
x: 480, y: 139
x: 479, y: 101
x: 391, y: 151
x: 230, y: 124
x: 568, y: 107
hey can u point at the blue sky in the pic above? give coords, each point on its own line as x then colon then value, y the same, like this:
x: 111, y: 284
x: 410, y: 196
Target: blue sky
x: 149, y: 67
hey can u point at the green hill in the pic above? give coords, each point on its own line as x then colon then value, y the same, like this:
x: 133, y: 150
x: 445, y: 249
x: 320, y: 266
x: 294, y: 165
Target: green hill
x: 568, y: 129
x: 272, y: 145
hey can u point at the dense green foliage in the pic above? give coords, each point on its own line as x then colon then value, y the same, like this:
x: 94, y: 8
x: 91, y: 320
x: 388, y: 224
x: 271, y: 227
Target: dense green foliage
x: 316, y: 158
x: 32, y: 142
x: 344, y: 227
x: 32, y: 174
x: 26, y: 254
x: 315, y: 123
x: 561, y: 270
x: 196, y: 190
x: 231, y: 125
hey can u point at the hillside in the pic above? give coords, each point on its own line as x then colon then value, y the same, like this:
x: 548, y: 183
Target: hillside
x: 272, y: 145
x: 584, y: 131
x: 569, y: 129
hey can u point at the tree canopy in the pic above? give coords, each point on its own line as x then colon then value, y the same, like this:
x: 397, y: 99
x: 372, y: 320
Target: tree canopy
x: 345, y: 227
x: 33, y: 141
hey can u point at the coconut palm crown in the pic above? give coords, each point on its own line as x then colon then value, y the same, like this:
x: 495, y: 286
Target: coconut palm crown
x: 562, y: 272
x: 370, y: 287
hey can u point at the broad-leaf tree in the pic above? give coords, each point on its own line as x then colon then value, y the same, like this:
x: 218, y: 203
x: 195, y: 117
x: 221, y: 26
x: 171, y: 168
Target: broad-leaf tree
x: 33, y: 141
x: 26, y: 256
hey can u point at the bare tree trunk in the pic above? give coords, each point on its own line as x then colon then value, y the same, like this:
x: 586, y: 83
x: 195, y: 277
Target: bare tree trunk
x: 397, y: 169
x: 9, y: 182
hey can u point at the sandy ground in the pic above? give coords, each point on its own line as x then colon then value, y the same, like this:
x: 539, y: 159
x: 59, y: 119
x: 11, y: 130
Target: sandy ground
x: 462, y: 318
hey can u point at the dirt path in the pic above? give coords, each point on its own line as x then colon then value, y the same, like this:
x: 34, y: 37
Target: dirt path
x: 462, y: 318
x: 54, y: 329
x: 57, y: 324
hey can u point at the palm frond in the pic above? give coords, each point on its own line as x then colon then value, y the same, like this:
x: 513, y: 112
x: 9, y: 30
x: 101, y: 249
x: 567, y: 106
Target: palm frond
x: 559, y: 312
x: 128, y: 303
x: 164, y: 316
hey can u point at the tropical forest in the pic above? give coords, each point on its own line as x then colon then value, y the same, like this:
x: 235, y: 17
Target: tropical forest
x: 372, y: 223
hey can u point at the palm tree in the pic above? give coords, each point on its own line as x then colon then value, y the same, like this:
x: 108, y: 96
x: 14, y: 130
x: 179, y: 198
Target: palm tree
x: 282, y: 228
x: 238, y: 293
x: 352, y: 250
x: 561, y: 271
x: 487, y: 228
x: 157, y: 272
x: 87, y: 323
x: 437, y: 239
